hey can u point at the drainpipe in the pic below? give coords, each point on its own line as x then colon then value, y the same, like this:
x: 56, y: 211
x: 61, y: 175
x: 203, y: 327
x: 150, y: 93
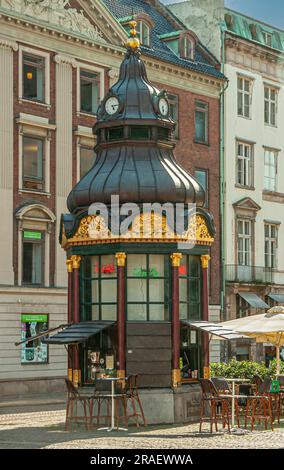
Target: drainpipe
x: 222, y: 173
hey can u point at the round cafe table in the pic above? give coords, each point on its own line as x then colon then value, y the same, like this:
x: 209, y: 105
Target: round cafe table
x: 233, y: 382
x: 112, y: 427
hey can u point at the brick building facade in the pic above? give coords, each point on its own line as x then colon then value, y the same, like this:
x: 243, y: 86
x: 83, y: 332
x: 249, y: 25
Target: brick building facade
x: 50, y: 136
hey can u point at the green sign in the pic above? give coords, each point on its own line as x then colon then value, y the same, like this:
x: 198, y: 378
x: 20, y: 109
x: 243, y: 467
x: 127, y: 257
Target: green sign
x: 33, y: 235
x: 28, y: 318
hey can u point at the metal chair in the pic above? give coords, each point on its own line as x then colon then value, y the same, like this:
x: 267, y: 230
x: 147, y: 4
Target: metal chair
x: 223, y: 388
x: 73, y: 398
x: 132, y: 394
x: 210, y: 398
x: 260, y: 406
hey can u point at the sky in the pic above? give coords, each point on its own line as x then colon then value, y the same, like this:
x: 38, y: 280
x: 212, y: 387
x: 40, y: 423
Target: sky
x: 269, y: 11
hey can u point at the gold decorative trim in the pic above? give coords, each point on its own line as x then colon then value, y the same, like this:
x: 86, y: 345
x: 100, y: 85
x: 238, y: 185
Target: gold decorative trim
x: 76, y: 260
x: 146, y: 228
x: 70, y: 374
x: 69, y: 264
x: 176, y: 259
x: 206, y: 372
x: 75, y: 377
x: 176, y: 379
x: 120, y: 258
x: 205, y: 261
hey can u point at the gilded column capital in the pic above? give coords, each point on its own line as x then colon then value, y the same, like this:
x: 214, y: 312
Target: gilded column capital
x: 75, y: 259
x: 69, y: 264
x: 205, y: 261
x: 120, y: 258
x: 176, y: 258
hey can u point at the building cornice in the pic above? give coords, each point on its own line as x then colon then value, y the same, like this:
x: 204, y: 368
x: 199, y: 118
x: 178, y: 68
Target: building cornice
x: 233, y: 41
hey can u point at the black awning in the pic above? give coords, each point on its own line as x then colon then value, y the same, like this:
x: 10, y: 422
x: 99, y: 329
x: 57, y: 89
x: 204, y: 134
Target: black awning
x: 78, y: 332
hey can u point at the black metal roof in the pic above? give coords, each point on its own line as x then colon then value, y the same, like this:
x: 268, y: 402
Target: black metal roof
x: 79, y: 332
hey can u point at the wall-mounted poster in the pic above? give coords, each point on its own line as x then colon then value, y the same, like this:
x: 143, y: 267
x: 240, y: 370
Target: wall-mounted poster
x: 33, y: 351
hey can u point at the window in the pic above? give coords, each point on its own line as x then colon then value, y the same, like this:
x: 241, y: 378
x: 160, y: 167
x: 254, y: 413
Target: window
x: 270, y: 170
x: 270, y: 245
x: 174, y: 112
x: 201, y: 122
x: 143, y: 32
x: 87, y: 159
x: 243, y: 308
x: 99, y: 288
x: 244, y: 97
x: 244, y: 242
x: 270, y: 102
x: 33, y: 351
x: 244, y: 164
x: 33, y: 77
x: 190, y: 353
x: 147, y: 287
x: 267, y: 38
x: 189, y: 288
x: 89, y: 91
x: 33, y: 249
x: 186, y: 47
x: 202, y: 177
x: 33, y: 163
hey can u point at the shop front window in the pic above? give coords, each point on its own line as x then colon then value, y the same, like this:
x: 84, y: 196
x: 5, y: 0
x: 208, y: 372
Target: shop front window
x: 189, y: 288
x: 34, y: 351
x: 189, y: 353
x: 99, y: 288
x: 147, y: 287
x: 100, y: 356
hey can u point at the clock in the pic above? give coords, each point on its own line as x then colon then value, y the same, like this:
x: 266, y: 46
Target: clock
x: 163, y: 106
x: 112, y: 105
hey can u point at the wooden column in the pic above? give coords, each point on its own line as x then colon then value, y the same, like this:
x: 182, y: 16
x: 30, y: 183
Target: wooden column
x: 69, y: 265
x: 76, y: 316
x: 120, y: 258
x: 175, y: 257
x: 205, y: 314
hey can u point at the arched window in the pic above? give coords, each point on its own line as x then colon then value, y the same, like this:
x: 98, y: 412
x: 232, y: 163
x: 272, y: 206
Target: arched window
x: 34, y: 228
x: 143, y: 32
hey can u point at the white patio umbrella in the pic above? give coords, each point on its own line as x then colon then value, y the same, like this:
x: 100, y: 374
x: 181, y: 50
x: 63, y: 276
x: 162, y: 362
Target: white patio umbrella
x: 266, y: 327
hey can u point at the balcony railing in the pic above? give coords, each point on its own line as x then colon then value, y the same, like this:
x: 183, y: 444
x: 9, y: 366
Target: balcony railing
x: 236, y: 273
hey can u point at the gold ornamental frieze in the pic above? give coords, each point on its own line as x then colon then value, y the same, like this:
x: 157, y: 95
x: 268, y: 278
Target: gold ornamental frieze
x: 149, y: 227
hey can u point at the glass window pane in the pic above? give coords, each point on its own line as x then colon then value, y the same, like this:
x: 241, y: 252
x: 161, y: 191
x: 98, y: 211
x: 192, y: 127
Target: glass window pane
x: 95, y: 312
x: 33, y: 77
x: 183, y: 311
x: 156, y: 265
x: 194, y: 313
x: 108, y: 266
x: 156, y: 290
x: 183, y: 283
x: 193, y: 266
x: 194, y: 290
x: 108, y: 290
x: 27, y: 262
x: 108, y: 312
x: 136, y: 265
x: 137, y: 312
x: 33, y: 156
x: 95, y: 291
x: 136, y: 290
x: 95, y: 271
x: 89, y: 89
x: 200, y: 126
x: 156, y: 312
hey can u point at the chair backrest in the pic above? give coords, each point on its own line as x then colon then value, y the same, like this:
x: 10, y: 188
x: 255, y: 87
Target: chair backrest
x: 72, y: 391
x: 208, y: 388
x: 131, y: 384
x: 257, y: 380
x: 281, y: 380
x: 221, y: 384
x: 265, y: 386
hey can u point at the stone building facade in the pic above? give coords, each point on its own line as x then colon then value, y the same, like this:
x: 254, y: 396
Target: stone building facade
x: 56, y: 61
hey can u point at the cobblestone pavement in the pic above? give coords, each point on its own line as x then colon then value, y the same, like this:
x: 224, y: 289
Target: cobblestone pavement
x: 37, y: 429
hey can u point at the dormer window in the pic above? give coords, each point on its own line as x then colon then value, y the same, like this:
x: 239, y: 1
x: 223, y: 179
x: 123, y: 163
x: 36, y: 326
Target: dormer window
x: 187, y: 47
x: 143, y: 33
x: 267, y: 38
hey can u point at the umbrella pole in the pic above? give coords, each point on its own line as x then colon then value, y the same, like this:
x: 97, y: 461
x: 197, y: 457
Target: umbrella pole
x: 277, y: 360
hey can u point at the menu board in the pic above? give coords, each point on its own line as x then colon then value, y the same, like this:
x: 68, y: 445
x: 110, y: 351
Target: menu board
x: 33, y: 351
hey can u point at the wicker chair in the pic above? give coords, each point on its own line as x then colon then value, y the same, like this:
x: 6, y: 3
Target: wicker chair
x: 218, y: 406
x: 132, y: 394
x: 73, y: 398
x: 260, y: 406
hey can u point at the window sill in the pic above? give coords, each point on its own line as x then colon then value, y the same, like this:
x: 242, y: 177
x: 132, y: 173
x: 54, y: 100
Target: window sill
x: 273, y: 196
x: 241, y: 186
x: 201, y: 143
x: 244, y: 117
x: 40, y: 103
x: 86, y: 113
x: 274, y: 126
x: 31, y: 191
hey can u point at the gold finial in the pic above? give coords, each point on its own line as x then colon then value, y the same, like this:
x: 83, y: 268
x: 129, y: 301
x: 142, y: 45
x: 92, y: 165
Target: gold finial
x: 133, y: 42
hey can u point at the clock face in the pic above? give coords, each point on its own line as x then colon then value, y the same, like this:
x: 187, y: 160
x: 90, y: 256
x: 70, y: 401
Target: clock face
x: 111, y: 105
x: 163, y: 107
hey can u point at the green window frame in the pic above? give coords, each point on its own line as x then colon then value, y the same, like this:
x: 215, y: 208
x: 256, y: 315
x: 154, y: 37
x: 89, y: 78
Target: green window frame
x: 189, y: 288
x: 145, y: 282
x: 98, y: 288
